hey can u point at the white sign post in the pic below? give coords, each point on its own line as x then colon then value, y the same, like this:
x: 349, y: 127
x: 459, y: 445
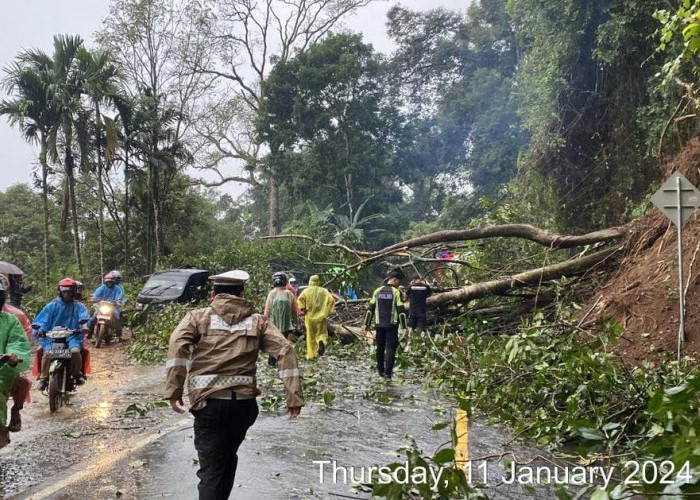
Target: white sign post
x: 677, y: 198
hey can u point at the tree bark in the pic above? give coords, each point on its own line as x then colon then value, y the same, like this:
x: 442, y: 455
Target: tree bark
x: 100, y: 191
x: 527, y: 278
x: 45, y: 200
x: 524, y: 231
x: 74, y: 212
x: 274, y: 228
x: 346, y: 333
x: 127, y: 247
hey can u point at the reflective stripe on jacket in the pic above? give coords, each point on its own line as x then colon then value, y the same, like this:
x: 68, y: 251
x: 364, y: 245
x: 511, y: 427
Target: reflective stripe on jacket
x: 224, y: 340
x: 388, y: 304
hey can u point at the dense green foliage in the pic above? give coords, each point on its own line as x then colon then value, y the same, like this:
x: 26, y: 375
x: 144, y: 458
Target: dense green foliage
x: 553, y: 113
x: 555, y: 107
x: 556, y: 385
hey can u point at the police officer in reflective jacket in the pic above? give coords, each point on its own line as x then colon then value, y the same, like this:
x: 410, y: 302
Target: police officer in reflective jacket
x: 221, y: 343
x: 386, y: 309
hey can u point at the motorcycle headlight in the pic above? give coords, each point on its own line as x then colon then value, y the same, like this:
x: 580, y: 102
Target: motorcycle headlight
x: 105, y: 309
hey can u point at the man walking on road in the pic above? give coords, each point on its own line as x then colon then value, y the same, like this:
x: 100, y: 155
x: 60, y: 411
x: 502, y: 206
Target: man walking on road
x: 224, y: 340
x: 418, y: 293
x: 387, y: 310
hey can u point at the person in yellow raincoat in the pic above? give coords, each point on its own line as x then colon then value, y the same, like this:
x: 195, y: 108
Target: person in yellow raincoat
x: 14, y: 358
x: 316, y: 303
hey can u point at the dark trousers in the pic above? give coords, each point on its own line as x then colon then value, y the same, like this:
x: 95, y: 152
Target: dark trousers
x: 387, y: 340
x: 417, y: 323
x: 219, y: 429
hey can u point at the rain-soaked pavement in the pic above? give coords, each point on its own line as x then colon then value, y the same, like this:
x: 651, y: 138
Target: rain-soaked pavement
x: 118, y: 440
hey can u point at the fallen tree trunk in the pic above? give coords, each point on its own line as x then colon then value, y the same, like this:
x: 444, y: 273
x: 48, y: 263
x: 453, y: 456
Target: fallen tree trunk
x: 346, y: 333
x: 527, y: 278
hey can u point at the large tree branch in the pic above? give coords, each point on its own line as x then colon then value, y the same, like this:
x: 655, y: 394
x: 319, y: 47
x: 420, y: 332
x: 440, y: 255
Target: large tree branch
x: 524, y: 231
x: 357, y: 253
x: 527, y: 278
x: 224, y: 180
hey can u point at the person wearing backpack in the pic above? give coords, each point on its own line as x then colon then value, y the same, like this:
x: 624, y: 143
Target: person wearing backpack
x: 281, y: 308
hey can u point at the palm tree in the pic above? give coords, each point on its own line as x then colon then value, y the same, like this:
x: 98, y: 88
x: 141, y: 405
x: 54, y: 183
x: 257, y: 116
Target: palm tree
x: 27, y: 80
x: 99, y: 80
x: 64, y: 92
x: 155, y: 147
x: 126, y: 109
x: 350, y: 229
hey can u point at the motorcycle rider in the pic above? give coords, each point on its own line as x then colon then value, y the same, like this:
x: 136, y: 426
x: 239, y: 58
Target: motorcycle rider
x: 118, y: 282
x: 66, y: 312
x: 15, y: 351
x: 22, y: 386
x: 109, y: 291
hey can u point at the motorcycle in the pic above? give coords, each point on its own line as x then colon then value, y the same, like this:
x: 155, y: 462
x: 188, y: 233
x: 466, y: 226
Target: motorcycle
x: 106, y: 322
x: 61, y: 382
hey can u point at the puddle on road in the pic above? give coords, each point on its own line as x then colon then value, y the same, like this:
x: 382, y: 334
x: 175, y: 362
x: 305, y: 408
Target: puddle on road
x: 363, y: 422
x: 92, y: 424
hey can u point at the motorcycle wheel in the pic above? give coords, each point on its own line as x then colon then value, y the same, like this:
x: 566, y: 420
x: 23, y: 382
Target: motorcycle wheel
x: 55, y: 390
x: 99, y: 335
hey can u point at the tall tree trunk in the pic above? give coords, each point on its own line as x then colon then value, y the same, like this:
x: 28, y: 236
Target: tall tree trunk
x: 70, y: 172
x: 45, y: 200
x: 127, y: 247
x: 348, y: 176
x: 157, y: 233
x: 149, y: 229
x: 100, y: 190
x: 348, y: 195
x: 274, y: 228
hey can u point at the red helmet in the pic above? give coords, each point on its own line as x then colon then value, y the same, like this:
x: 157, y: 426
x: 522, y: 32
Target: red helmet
x: 67, y: 285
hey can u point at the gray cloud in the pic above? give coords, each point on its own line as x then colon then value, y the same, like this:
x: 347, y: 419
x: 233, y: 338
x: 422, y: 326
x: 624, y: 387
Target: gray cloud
x: 32, y: 24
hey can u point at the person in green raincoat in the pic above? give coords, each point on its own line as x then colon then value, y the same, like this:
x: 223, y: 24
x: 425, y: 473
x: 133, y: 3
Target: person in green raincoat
x: 281, y: 309
x: 317, y: 303
x: 14, y: 358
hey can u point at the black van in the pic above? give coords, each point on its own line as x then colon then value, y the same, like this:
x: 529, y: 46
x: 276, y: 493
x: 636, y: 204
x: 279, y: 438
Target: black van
x: 174, y: 285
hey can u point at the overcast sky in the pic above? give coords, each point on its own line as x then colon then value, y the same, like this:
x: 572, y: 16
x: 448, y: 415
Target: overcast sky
x: 32, y: 24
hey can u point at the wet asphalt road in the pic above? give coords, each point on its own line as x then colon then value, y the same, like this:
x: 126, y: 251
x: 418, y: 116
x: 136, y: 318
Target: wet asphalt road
x: 114, y: 441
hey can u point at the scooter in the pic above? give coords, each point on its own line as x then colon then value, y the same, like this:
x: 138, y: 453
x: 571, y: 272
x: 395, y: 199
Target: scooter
x: 61, y: 382
x: 105, y: 322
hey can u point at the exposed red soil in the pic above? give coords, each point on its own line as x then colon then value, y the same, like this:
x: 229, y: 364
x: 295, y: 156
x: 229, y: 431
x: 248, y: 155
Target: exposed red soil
x: 643, y: 292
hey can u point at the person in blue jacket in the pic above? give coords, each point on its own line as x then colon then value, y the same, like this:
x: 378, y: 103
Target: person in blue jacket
x: 109, y: 291
x: 63, y: 311
x: 118, y: 283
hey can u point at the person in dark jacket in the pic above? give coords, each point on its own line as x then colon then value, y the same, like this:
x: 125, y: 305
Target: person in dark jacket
x: 418, y: 292
x: 387, y: 310
x: 17, y: 290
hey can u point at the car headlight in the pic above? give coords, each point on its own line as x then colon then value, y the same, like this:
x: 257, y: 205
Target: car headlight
x: 105, y: 309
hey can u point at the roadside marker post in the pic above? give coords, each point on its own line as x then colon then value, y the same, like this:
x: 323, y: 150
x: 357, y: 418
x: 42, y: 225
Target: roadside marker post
x: 677, y: 198
x: 462, y: 431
